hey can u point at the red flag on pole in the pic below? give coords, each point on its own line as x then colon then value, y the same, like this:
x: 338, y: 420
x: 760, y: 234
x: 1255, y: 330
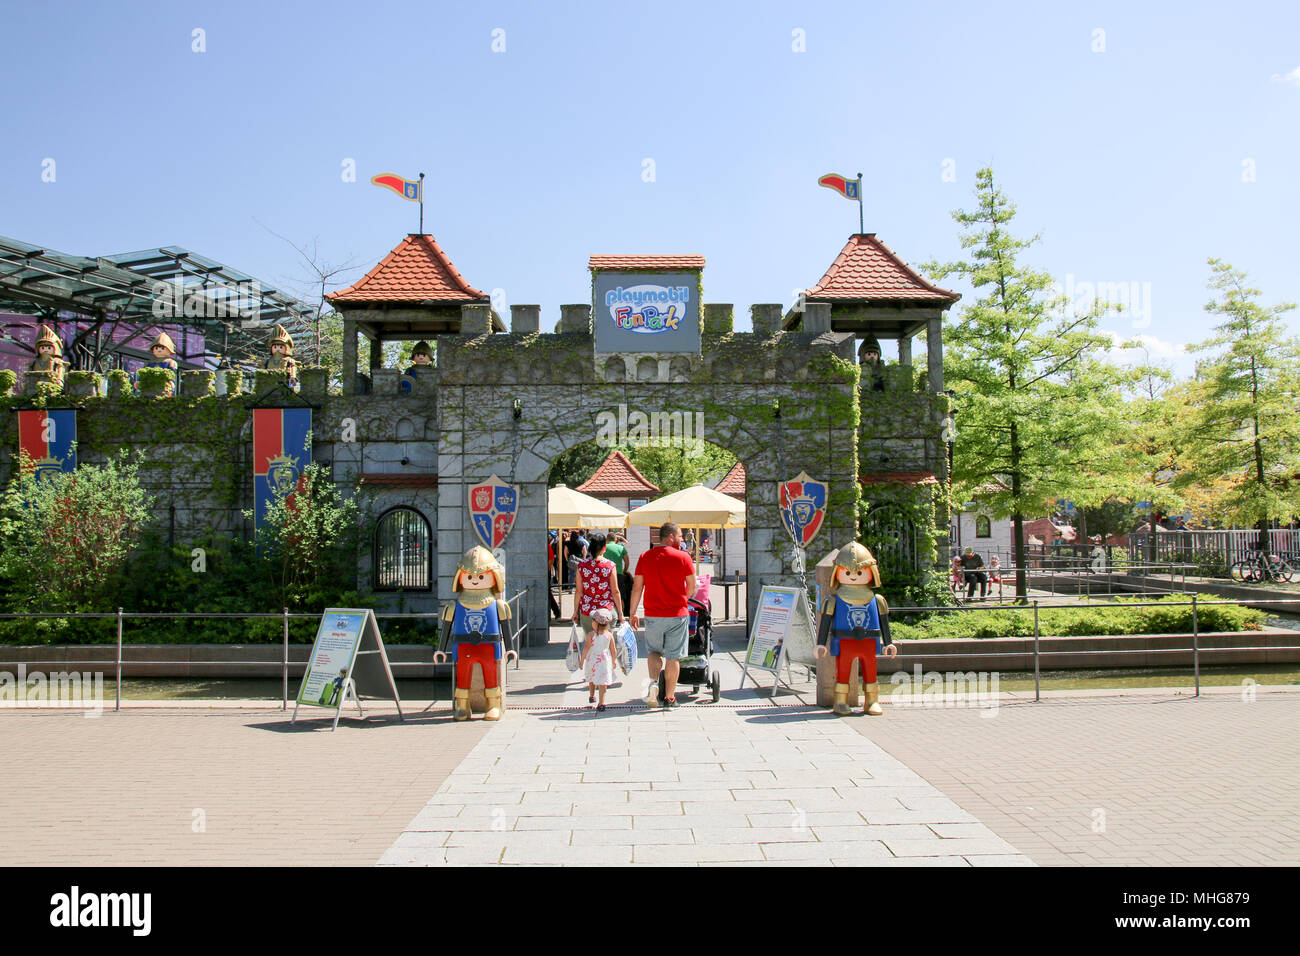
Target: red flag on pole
x: 406, y: 188
x: 848, y: 188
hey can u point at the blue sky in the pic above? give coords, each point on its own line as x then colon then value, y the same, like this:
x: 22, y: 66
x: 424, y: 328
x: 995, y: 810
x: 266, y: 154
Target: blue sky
x: 1137, y: 152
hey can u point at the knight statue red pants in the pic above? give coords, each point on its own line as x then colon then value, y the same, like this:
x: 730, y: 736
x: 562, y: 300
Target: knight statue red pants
x: 467, y: 655
x: 863, y: 651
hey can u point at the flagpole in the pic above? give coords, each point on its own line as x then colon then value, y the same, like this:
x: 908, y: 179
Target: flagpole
x: 422, y: 203
x: 861, y: 227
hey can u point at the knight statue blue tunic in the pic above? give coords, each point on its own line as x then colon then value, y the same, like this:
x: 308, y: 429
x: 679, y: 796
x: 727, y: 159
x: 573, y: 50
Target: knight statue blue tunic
x: 476, y: 626
x: 858, y: 621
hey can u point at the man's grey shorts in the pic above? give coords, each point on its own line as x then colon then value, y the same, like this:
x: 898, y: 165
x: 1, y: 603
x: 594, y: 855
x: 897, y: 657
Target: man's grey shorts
x: 667, y: 636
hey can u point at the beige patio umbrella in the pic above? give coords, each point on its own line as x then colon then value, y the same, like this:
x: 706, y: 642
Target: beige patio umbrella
x: 567, y: 508
x: 693, y: 507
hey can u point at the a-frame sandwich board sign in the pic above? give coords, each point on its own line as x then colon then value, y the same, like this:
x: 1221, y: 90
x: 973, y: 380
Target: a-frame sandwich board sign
x: 783, y: 633
x: 347, y: 661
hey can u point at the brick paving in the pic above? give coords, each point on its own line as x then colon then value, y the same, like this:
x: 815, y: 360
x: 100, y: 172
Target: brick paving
x: 122, y: 789
x: 1146, y: 779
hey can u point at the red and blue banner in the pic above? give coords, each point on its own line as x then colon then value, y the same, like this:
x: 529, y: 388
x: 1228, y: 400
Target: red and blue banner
x: 47, y: 437
x: 280, y: 453
x: 492, y: 508
x: 846, y: 187
x: 803, y: 507
x: 406, y: 188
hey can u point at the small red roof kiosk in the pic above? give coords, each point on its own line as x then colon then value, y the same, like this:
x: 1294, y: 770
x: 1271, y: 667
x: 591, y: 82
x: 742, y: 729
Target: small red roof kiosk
x: 414, y: 293
x: 872, y: 292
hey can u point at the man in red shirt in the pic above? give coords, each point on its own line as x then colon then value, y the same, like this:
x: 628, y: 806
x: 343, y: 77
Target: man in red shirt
x: 666, y: 576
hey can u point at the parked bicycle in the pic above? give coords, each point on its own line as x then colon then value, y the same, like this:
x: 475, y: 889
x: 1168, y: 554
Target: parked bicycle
x: 1263, y: 567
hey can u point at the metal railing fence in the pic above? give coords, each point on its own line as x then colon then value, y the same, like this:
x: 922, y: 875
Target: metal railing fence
x: 1195, y: 604
x: 512, y: 641
x: 1084, y: 578
x: 1223, y: 547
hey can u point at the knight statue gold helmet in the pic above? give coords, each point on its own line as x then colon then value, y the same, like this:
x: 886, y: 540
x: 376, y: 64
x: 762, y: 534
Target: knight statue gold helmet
x: 854, y: 557
x: 422, y: 348
x: 45, y: 336
x: 869, y: 344
x: 165, y: 341
x: 282, y: 337
x: 478, y: 560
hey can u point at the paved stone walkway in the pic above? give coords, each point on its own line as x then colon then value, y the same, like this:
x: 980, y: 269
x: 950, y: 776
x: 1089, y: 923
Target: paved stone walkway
x: 739, y: 782
x: 702, y: 784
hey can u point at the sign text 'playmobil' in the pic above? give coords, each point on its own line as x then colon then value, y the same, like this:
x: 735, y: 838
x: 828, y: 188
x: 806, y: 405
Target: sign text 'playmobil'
x: 646, y: 311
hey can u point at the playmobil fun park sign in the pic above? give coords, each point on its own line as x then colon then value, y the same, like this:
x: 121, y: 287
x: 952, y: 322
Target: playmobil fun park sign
x: 657, y: 312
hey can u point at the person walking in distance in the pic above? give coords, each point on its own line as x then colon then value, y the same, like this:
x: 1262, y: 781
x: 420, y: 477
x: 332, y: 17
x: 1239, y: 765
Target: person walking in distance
x: 665, y: 575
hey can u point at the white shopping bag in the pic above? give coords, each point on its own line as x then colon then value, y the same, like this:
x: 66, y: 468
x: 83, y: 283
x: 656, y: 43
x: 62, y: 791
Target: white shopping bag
x: 625, y: 647
x: 573, y: 657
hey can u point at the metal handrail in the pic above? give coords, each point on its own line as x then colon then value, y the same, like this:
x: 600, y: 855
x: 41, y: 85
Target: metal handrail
x: 1194, y: 603
x: 523, y: 625
x: 120, y: 616
x: 1079, y: 570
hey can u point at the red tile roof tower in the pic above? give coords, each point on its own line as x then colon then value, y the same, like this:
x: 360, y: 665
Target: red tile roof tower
x: 416, y: 271
x: 868, y: 272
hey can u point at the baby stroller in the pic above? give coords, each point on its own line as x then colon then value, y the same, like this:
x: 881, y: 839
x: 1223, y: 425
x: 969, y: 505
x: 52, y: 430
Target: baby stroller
x: 699, y: 651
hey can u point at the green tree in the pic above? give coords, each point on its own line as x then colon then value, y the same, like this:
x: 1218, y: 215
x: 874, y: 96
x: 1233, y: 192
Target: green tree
x: 1244, y: 428
x: 1111, y: 517
x: 1039, y: 406
x: 577, y: 464
x: 674, y: 468
x: 308, y: 540
x: 64, y: 536
x: 671, y: 467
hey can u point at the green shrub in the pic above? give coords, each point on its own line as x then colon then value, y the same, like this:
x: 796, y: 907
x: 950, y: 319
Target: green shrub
x: 935, y: 592
x: 156, y: 381
x: 64, y: 537
x: 310, y: 564
x: 119, y: 384
x: 234, y: 579
x: 1120, y: 618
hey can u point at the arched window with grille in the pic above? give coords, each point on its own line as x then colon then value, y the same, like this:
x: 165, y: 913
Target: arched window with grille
x: 403, y: 551
x: 891, y: 535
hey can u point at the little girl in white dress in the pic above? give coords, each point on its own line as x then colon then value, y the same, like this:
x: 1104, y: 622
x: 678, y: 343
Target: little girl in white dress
x: 598, y: 655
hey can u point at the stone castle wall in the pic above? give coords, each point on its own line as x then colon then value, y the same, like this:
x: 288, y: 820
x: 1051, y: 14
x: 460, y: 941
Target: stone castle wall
x: 510, y: 404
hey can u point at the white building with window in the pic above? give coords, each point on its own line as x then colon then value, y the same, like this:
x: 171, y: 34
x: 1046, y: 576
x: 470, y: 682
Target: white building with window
x: 975, y: 526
